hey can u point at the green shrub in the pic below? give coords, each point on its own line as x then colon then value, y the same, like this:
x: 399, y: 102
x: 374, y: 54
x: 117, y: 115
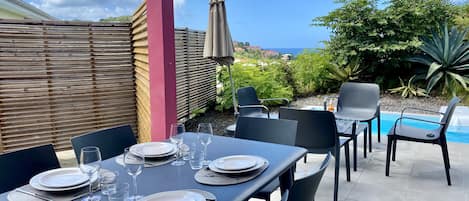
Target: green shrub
x: 269, y: 80
x: 310, y: 73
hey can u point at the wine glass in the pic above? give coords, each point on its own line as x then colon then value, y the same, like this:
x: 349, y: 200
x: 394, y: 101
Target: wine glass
x: 90, y: 163
x: 177, y: 139
x: 204, y: 134
x: 134, y: 162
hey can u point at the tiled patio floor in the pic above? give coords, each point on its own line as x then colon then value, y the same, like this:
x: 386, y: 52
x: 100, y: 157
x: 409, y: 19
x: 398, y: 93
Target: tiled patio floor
x: 417, y: 175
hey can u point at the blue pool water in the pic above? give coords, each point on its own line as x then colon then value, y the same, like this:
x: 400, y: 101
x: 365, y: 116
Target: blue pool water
x: 454, y: 134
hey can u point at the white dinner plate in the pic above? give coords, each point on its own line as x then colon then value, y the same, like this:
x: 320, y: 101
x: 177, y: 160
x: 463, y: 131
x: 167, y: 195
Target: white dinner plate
x: 174, y: 196
x: 34, y: 182
x: 260, y: 162
x: 235, y: 162
x: 153, y: 149
x: 62, y: 177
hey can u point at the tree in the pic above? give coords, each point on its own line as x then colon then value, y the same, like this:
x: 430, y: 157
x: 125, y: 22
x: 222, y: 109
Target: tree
x: 381, y: 39
x: 462, y: 19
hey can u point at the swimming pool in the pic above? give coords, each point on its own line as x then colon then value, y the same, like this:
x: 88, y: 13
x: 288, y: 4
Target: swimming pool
x: 454, y: 133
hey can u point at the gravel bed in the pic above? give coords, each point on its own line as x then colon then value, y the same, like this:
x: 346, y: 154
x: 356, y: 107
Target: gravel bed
x: 391, y: 103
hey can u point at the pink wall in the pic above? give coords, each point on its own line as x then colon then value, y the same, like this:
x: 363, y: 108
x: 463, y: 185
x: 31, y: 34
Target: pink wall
x: 162, y: 62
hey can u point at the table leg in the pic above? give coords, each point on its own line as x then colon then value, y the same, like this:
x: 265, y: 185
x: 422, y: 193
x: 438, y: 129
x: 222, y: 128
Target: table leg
x: 286, y: 180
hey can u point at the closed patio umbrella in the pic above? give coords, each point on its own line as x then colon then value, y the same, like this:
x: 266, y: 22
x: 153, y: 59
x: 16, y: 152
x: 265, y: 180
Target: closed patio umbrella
x: 218, y: 43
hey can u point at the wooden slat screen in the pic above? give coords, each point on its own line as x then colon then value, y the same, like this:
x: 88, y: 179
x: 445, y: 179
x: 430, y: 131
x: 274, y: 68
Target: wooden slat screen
x: 62, y: 79
x: 195, y: 75
x: 142, y: 76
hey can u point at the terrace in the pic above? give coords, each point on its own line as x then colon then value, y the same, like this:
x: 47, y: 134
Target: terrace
x: 63, y: 79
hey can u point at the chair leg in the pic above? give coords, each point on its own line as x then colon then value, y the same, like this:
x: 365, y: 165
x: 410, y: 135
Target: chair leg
x: 305, y: 159
x: 445, y: 144
x: 444, y: 149
x: 364, y: 143
x: 394, y: 146
x: 354, y: 153
x: 388, y: 153
x: 336, y: 174
x: 347, y: 161
x: 369, y: 136
x: 379, y: 127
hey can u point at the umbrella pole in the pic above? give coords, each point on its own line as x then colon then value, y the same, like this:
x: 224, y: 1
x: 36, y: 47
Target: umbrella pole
x: 233, y: 92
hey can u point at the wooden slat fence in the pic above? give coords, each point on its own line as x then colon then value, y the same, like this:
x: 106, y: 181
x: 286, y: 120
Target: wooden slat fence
x: 62, y: 79
x: 195, y: 75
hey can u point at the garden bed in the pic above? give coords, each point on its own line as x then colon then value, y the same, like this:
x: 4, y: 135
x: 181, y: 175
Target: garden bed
x: 391, y: 103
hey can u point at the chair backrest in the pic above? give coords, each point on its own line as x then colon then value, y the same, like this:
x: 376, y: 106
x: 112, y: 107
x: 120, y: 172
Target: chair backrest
x: 16, y: 168
x: 358, y: 95
x: 304, y: 189
x: 445, y: 120
x: 267, y: 130
x: 316, y: 129
x: 111, y: 141
x: 248, y: 96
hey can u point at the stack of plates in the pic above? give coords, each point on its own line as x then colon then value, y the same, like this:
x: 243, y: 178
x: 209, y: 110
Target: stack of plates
x: 175, y: 196
x: 62, y: 179
x: 154, y: 149
x: 237, y: 164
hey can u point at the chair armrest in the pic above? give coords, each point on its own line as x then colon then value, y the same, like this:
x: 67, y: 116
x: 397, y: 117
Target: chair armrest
x: 285, y: 195
x: 416, y: 119
x: 327, y: 98
x: 275, y: 99
x: 421, y: 109
x: 256, y: 106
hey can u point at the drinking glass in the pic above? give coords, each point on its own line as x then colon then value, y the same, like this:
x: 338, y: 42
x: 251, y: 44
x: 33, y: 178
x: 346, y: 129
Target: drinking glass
x: 204, y: 134
x: 196, y: 156
x: 90, y: 163
x: 177, y: 139
x: 108, y: 182
x: 134, y: 163
x: 120, y: 193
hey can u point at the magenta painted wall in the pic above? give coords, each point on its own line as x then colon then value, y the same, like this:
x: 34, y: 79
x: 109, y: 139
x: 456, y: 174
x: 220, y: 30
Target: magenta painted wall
x: 162, y: 62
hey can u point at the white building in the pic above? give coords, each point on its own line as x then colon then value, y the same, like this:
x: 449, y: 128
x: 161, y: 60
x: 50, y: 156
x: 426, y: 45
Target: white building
x: 18, y: 9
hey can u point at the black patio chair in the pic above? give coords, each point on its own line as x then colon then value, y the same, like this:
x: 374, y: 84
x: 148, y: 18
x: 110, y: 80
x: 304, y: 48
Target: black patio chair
x: 111, y: 141
x: 304, y: 189
x: 317, y: 132
x: 18, y: 167
x: 250, y: 105
x: 400, y: 131
x: 360, y: 102
x: 267, y: 130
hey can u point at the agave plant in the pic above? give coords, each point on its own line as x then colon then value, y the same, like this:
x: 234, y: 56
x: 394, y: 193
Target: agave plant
x: 344, y: 74
x: 447, y: 56
x: 409, y: 89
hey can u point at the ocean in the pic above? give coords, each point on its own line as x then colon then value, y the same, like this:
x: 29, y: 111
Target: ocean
x: 293, y: 51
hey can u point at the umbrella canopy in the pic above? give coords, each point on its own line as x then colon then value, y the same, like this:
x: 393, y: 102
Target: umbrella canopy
x: 218, y: 43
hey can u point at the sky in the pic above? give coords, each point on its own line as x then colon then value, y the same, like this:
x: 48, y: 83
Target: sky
x: 265, y: 23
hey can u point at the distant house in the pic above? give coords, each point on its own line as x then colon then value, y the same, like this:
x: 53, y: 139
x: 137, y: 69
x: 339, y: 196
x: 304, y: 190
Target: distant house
x: 18, y: 9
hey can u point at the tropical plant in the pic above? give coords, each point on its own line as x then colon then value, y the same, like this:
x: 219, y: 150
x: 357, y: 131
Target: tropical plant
x: 447, y: 56
x: 347, y: 73
x: 409, y: 89
x: 381, y: 37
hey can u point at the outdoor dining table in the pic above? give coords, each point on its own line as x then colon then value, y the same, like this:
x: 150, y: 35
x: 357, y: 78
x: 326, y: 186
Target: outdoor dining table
x: 282, y: 160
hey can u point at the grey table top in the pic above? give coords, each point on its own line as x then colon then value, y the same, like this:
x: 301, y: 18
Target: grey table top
x: 167, y: 177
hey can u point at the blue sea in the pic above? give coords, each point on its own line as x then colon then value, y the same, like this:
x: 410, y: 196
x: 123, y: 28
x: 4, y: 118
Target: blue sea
x: 293, y: 51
